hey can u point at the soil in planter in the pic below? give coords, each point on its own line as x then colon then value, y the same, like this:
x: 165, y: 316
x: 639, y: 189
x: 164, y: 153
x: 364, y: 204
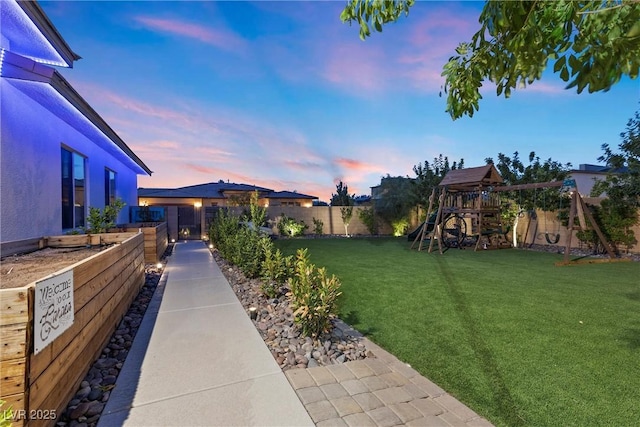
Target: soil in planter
x: 20, y: 270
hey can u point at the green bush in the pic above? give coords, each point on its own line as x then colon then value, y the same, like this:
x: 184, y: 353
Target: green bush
x: 400, y: 226
x: 102, y: 220
x: 313, y: 296
x: 318, y: 226
x: 237, y: 243
x: 368, y: 218
x: 290, y: 227
x: 276, y: 269
x: 6, y: 415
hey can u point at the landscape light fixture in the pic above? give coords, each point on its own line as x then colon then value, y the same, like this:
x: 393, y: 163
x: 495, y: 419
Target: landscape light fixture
x: 159, y: 265
x: 210, y: 245
x: 253, y: 313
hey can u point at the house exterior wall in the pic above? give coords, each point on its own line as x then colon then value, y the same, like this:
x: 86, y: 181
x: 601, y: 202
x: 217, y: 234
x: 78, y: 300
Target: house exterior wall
x: 30, y: 177
x: 586, y: 180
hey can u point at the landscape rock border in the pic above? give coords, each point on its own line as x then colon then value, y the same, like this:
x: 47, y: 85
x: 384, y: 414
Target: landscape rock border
x: 274, y: 321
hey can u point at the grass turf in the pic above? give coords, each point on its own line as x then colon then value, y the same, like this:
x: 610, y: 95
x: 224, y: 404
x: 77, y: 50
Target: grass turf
x: 517, y: 339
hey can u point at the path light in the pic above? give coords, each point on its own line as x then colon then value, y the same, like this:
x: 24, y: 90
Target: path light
x: 253, y: 313
x: 159, y: 265
x: 173, y: 240
x: 210, y: 245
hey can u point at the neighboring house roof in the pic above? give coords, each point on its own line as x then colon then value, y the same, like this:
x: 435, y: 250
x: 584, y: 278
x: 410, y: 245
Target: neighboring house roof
x: 467, y: 177
x: 599, y: 169
x: 288, y: 195
x: 29, y: 33
x: 216, y: 190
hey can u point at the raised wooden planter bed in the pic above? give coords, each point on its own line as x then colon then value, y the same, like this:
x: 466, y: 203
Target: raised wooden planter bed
x: 104, y: 286
x: 156, y: 238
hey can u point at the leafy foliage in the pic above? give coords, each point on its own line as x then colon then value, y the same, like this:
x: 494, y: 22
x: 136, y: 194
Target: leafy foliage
x: 318, y: 226
x: 346, y: 213
x: 514, y: 172
x: 276, y: 269
x: 368, y: 218
x: 618, y: 213
x: 6, y: 415
x: 395, y: 200
x: 237, y: 243
x: 258, y: 214
x: 313, y: 296
x: 290, y: 227
x: 615, y: 222
x: 428, y: 177
x: 342, y: 196
x: 592, y: 45
x: 101, y: 220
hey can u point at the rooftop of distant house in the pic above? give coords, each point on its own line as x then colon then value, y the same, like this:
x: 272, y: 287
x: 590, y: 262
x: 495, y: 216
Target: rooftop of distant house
x: 217, y: 190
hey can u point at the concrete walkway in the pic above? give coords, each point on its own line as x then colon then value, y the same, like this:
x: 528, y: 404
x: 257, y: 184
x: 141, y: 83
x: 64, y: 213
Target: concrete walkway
x: 197, y: 359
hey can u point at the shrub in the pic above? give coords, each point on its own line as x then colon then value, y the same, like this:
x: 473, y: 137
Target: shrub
x: 318, y: 226
x: 368, y: 218
x: 313, y: 296
x: 101, y: 220
x: 237, y: 243
x: 6, y: 415
x: 400, y: 226
x: 276, y: 269
x: 290, y: 227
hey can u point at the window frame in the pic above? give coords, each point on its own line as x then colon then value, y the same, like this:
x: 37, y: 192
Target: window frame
x: 73, y: 187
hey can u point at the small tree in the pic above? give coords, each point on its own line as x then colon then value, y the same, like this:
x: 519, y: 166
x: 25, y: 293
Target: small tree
x: 346, y: 212
x: 619, y: 211
x: 344, y: 199
x: 368, y: 218
x: 101, y: 220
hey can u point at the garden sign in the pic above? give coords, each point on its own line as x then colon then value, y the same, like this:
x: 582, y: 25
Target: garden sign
x: 53, y: 309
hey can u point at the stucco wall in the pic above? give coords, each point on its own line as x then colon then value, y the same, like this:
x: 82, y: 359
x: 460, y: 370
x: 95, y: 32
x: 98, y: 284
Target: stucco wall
x: 30, y: 176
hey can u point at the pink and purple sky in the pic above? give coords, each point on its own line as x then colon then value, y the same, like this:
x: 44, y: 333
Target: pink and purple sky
x: 283, y: 95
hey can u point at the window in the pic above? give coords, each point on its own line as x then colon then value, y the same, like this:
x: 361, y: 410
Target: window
x: 73, y: 189
x: 109, y: 187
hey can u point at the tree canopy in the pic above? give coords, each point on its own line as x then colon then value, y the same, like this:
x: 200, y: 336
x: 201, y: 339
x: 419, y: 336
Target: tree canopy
x: 342, y: 197
x: 592, y: 45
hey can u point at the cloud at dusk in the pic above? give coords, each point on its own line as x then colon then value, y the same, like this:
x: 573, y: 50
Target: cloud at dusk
x: 221, y: 39
x: 285, y: 96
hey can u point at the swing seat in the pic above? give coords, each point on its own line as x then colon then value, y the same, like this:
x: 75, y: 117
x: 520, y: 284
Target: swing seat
x: 555, y: 240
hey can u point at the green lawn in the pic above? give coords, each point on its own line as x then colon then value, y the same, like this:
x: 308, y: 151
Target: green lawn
x: 517, y: 339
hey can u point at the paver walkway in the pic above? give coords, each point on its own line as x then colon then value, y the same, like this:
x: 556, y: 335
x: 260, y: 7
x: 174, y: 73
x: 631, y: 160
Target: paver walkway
x: 197, y: 359
x: 378, y: 392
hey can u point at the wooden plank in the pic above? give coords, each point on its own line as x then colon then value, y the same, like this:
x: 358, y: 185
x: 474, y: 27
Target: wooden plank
x: 85, y: 316
x: 21, y: 246
x: 86, y: 270
x: 80, y: 353
x: 110, y: 238
x: 12, y: 376
x: 13, y: 339
x: 14, y: 307
x: 67, y: 241
x: 531, y: 186
x: 88, y: 290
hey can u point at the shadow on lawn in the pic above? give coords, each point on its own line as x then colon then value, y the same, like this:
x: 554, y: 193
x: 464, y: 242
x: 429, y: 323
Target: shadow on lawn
x: 501, y: 394
x: 632, y: 337
x: 352, y: 319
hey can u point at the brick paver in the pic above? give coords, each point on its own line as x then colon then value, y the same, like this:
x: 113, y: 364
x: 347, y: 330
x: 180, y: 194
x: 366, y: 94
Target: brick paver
x: 321, y: 375
x: 384, y: 417
x: 368, y: 401
x: 379, y: 391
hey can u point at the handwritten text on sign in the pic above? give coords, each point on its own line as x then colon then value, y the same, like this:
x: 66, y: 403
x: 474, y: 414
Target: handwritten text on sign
x: 53, y: 309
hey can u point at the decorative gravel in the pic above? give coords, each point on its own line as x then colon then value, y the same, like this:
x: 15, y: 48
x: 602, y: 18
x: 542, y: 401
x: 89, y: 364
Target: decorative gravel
x: 274, y: 322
